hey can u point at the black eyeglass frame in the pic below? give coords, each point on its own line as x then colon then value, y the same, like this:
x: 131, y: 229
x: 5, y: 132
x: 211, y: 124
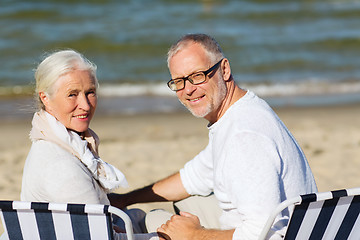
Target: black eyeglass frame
x: 206, y: 72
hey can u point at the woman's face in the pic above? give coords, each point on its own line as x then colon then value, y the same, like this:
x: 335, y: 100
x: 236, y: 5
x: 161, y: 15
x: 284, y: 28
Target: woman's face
x: 74, y: 100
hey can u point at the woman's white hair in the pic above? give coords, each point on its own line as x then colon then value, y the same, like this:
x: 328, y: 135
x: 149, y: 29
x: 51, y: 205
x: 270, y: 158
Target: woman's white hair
x: 57, y: 64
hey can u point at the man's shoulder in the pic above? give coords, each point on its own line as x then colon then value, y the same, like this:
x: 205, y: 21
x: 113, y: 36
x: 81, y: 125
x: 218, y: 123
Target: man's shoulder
x: 252, y: 116
x: 251, y: 111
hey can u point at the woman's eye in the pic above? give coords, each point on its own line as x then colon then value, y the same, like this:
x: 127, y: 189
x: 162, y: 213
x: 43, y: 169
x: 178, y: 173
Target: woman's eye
x: 92, y: 93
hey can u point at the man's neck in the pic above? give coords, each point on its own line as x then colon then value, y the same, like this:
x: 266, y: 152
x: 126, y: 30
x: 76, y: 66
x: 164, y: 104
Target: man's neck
x: 233, y: 94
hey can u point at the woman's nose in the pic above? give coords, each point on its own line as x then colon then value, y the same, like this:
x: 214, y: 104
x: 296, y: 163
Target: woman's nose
x: 84, y: 102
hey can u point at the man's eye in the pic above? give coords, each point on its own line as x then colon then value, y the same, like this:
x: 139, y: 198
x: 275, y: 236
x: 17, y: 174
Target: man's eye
x: 178, y: 81
x: 197, y: 76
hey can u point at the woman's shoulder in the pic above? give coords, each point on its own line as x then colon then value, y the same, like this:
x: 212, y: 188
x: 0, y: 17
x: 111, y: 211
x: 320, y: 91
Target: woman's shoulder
x: 47, y: 159
x: 44, y: 147
x: 49, y: 155
x: 51, y: 173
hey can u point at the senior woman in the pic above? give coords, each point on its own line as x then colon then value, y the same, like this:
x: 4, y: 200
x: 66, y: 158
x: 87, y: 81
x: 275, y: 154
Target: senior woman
x: 63, y: 164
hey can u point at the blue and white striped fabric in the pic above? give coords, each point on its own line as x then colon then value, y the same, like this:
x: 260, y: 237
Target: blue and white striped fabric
x: 331, y: 215
x: 322, y: 216
x: 35, y: 220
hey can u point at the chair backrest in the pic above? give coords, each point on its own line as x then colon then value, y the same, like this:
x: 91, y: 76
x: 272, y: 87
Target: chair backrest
x: 328, y: 216
x: 39, y: 220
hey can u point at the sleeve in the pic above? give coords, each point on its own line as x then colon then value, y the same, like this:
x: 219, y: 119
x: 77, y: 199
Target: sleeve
x: 197, y: 174
x: 253, y: 180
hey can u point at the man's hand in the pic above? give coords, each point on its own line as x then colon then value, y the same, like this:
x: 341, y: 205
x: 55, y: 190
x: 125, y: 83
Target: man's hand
x: 187, y: 227
x: 183, y: 227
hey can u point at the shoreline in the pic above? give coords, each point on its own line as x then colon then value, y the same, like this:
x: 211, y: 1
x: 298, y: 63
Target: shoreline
x: 13, y: 108
x: 146, y: 147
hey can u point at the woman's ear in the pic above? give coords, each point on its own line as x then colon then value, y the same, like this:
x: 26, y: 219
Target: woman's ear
x: 226, y: 70
x: 44, y: 98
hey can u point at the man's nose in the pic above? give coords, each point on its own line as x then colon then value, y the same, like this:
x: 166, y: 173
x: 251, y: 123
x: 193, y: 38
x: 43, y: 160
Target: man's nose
x: 189, y: 88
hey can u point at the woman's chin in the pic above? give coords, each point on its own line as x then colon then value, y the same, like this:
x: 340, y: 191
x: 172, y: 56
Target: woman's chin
x: 79, y: 129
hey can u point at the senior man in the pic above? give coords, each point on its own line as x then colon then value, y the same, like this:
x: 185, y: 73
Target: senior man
x: 251, y: 163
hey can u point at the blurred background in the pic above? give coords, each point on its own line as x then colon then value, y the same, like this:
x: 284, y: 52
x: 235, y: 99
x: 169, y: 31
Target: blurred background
x: 292, y: 53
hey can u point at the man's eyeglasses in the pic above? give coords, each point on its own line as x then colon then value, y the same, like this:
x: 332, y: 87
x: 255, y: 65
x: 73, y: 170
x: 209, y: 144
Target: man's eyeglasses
x: 195, y: 78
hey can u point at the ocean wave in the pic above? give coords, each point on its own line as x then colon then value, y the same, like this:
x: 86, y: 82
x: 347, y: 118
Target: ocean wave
x: 263, y: 89
x: 305, y: 88
x: 17, y: 101
x: 300, y: 88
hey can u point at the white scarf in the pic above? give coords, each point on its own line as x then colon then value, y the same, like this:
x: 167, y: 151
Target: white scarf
x: 46, y: 127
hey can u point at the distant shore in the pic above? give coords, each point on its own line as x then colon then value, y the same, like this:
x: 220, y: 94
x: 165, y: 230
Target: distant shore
x: 147, y: 147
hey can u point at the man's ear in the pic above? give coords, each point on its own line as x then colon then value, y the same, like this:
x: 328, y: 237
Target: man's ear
x: 225, y: 69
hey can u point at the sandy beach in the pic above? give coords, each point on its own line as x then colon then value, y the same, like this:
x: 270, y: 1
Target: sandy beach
x: 151, y: 146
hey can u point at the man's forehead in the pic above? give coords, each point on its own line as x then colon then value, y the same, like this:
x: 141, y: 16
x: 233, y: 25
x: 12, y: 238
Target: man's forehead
x: 188, y: 61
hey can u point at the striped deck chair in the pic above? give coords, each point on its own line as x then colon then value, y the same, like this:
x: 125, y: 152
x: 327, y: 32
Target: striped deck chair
x: 39, y: 220
x: 328, y: 216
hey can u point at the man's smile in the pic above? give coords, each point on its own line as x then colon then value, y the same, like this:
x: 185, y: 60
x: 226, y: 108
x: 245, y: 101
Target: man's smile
x: 196, y: 99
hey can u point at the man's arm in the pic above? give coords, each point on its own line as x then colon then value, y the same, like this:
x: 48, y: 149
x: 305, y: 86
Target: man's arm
x: 187, y: 227
x: 167, y: 189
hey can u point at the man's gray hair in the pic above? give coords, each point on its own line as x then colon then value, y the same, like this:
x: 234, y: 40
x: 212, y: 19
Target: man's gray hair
x: 210, y: 45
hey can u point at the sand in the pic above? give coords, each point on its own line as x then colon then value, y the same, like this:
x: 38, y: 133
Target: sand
x: 151, y: 146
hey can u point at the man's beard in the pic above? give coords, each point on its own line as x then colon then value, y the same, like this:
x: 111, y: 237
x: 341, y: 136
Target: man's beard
x: 212, y: 105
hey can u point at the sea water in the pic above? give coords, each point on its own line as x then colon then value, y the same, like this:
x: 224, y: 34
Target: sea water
x: 300, y: 52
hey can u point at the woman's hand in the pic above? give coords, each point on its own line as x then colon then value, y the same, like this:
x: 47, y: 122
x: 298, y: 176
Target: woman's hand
x: 118, y: 229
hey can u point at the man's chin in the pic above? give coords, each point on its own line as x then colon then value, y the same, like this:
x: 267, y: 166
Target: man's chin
x: 197, y: 113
